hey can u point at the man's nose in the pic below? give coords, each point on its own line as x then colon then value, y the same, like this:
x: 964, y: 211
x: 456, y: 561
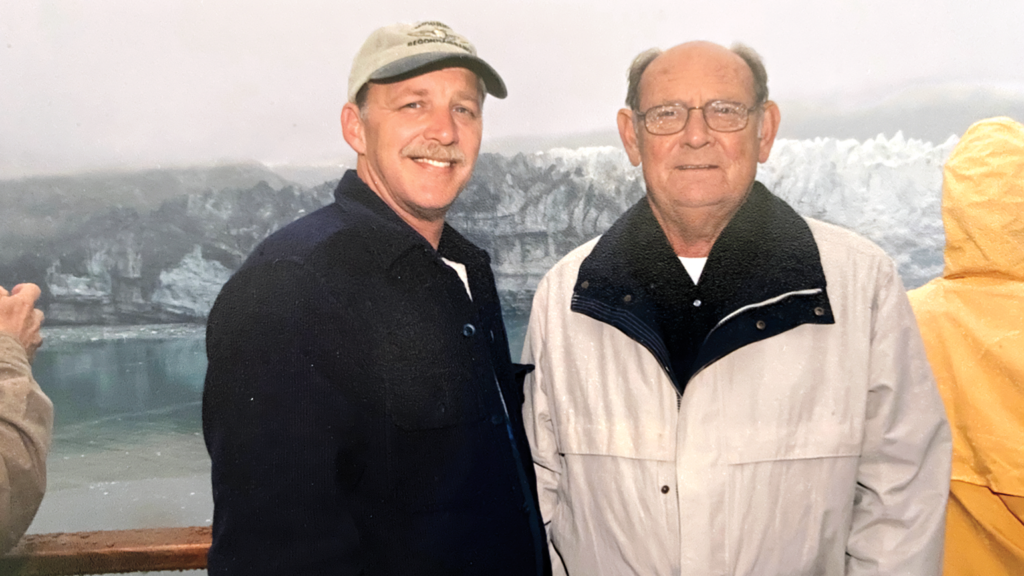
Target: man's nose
x: 696, y: 132
x: 441, y: 126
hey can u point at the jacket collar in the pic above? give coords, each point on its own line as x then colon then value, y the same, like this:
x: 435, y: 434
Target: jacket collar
x: 388, y: 237
x: 765, y: 254
x: 766, y: 249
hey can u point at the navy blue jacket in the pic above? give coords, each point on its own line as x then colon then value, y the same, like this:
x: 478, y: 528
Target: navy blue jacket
x: 352, y: 408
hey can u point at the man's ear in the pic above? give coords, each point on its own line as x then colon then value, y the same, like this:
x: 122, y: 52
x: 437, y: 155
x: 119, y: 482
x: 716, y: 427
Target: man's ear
x: 770, y: 119
x: 352, y: 127
x: 627, y: 133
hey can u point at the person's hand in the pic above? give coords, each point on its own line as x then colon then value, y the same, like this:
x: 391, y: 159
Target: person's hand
x: 20, y: 317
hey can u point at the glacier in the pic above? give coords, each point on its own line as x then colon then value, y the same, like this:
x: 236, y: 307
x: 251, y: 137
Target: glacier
x: 889, y: 191
x: 528, y: 211
x: 166, y: 261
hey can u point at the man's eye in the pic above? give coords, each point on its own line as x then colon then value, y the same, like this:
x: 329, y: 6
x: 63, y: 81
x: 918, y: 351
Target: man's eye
x: 412, y: 105
x: 726, y: 108
x: 465, y: 110
x: 666, y: 113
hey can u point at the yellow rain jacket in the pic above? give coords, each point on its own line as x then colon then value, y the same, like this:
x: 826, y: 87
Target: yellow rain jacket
x: 972, y: 321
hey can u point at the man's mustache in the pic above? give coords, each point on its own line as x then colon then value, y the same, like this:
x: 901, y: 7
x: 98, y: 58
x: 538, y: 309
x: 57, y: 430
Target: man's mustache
x: 449, y: 153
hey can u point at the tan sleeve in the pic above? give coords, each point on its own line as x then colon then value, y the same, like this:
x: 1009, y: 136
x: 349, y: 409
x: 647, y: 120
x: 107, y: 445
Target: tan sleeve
x: 26, y: 425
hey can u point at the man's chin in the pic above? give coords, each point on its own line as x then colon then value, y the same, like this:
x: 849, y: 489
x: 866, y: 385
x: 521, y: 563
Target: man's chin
x: 433, y: 205
x: 430, y: 213
x: 440, y: 193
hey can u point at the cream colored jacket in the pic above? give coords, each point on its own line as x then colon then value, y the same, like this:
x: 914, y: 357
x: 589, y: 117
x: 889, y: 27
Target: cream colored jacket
x: 26, y: 423
x: 821, y: 451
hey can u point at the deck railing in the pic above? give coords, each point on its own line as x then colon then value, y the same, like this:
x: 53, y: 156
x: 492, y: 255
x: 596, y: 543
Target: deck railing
x: 108, y: 552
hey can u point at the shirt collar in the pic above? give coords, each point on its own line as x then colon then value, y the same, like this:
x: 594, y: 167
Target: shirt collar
x: 389, y: 237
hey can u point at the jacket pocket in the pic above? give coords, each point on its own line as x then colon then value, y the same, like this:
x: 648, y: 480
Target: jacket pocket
x: 440, y: 441
x: 445, y: 468
x: 795, y: 490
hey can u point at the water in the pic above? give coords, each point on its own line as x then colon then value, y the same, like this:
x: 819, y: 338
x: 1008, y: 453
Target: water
x: 127, y: 448
x: 127, y: 444
x: 515, y: 326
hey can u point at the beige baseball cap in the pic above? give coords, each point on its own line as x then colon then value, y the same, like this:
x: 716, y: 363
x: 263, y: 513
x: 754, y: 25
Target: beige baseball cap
x: 398, y: 51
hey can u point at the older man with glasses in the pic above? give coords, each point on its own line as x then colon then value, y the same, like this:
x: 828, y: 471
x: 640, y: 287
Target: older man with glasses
x: 723, y: 386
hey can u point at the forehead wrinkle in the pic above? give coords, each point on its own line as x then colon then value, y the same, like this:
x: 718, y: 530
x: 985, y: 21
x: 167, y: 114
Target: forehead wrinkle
x: 719, y: 67
x: 470, y: 92
x: 410, y: 91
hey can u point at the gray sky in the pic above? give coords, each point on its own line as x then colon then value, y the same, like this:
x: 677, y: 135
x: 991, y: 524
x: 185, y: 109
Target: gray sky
x: 99, y: 84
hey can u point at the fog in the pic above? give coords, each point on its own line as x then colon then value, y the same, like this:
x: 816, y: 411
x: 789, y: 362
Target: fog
x: 109, y: 84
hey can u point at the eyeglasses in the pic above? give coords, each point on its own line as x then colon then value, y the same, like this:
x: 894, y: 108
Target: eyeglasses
x: 719, y: 115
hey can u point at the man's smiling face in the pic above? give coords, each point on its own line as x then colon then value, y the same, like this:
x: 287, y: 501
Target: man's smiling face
x: 698, y: 167
x: 418, y: 140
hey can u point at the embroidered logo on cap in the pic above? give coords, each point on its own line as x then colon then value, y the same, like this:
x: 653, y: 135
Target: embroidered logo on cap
x: 433, y: 32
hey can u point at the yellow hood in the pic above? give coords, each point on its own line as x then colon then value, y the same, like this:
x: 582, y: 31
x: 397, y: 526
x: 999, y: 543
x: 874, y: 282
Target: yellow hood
x: 972, y: 319
x: 983, y: 201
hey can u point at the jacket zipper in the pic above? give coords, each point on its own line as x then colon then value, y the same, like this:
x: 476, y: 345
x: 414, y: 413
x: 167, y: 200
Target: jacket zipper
x: 735, y: 313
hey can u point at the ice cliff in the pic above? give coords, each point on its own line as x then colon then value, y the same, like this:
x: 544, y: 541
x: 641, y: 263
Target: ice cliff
x: 528, y: 211
x: 133, y: 264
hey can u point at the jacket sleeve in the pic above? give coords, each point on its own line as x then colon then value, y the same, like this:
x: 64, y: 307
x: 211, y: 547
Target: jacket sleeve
x: 278, y: 429
x: 538, y: 422
x: 26, y: 425
x: 903, y: 476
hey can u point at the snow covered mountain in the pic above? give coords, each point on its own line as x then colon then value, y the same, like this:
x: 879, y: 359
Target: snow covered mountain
x: 141, y: 262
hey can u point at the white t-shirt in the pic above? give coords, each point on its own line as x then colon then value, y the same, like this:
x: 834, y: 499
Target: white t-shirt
x: 694, y: 266
x: 460, y: 269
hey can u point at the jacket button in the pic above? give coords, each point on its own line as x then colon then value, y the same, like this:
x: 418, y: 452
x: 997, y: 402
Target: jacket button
x: 760, y: 324
x: 468, y: 330
x: 495, y: 419
x: 665, y: 489
x: 627, y: 298
x: 697, y: 303
x: 819, y: 311
x: 585, y: 284
x: 492, y: 335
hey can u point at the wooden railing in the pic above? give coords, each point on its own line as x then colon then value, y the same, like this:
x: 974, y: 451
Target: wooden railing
x: 108, y: 552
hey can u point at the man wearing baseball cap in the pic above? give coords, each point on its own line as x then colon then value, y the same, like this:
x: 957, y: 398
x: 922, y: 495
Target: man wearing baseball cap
x: 361, y: 409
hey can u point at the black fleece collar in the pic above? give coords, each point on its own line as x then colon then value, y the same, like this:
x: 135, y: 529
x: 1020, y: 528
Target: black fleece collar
x: 632, y: 277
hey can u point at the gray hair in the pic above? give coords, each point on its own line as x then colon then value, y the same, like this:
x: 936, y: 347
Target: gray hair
x: 644, y: 59
x: 636, y: 71
x: 756, y: 65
